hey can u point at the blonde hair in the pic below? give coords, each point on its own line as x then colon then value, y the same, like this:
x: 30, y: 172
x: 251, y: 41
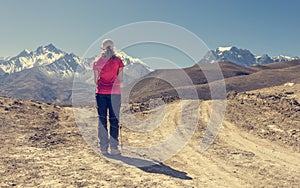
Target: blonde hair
x: 107, y: 48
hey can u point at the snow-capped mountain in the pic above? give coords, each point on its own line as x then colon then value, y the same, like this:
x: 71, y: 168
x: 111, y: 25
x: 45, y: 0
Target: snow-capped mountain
x: 59, y: 64
x: 49, y: 74
x: 264, y: 59
x: 241, y: 57
x: 63, y: 67
x: 2, y: 61
x: 282, y: 58
x: 43, y: 55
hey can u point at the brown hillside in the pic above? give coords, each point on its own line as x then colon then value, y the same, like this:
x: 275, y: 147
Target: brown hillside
x: 164, y: 82
x: 236, y: 79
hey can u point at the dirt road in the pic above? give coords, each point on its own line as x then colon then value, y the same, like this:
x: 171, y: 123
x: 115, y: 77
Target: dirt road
x: 49, y: 151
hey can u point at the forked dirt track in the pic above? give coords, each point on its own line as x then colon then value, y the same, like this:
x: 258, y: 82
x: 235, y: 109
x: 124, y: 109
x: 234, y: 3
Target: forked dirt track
x: 50, y: 152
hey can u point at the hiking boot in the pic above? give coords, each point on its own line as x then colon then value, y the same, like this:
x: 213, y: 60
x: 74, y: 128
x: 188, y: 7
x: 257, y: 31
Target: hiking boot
x: 115, y: 151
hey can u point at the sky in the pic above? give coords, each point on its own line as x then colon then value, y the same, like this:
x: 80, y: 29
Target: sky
x: 268, y: 26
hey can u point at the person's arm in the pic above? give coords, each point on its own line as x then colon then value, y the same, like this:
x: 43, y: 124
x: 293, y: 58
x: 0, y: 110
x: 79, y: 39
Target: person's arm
x: 96, y: 76
x: 120, y: 76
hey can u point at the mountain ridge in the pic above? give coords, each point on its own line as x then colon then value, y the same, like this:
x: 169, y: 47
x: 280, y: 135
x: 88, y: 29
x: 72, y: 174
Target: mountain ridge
x: 242, y: 57
x: 44, y: 56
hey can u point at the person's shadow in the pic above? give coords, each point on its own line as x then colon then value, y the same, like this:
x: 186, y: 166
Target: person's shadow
x: 151, y: 167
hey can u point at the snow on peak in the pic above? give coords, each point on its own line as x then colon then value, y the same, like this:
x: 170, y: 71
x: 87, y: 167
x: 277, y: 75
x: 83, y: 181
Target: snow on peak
x: 241, y: 57
x: 235, y: 55
x: 43, y: 55
x: 56, y: 63
x: 283, y: 58
x: 222, y: 49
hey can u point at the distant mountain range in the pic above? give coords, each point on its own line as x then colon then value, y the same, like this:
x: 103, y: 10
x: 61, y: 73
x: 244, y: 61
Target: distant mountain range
x: 59, y: 64
x: 46, y: 74
x: 242, y: 57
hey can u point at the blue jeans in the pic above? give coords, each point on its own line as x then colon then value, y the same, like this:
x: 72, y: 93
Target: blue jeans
x: 110, y: 103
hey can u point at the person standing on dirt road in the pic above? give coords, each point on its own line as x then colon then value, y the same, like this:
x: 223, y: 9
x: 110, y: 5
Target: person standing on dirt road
x: 108, y: 77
